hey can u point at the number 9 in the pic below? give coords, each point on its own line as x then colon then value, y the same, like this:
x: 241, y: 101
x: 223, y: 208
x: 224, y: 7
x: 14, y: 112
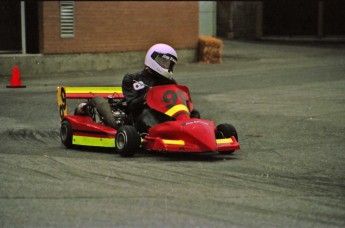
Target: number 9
x: 170, y: 97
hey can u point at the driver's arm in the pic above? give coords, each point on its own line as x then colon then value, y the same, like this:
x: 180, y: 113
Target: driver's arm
x: 134, y: 98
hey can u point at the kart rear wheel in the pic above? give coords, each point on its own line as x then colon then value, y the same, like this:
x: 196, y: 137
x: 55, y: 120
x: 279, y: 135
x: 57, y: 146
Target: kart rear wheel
x: 226, y: 131
x: 127, y: 141
x: 104, y: 110
x: 66, y: 133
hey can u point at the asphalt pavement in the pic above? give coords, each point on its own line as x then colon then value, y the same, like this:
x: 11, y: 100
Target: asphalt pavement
x: 287, y: 101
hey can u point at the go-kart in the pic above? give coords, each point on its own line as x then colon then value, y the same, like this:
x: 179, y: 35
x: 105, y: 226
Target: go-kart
x: 107, y: 122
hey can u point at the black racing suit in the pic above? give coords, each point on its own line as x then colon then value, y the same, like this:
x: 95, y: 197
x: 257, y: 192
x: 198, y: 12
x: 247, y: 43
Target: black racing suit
x: 143, y: 116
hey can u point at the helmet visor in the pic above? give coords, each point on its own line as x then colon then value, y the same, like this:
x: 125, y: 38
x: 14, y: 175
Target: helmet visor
x: 166, y: 61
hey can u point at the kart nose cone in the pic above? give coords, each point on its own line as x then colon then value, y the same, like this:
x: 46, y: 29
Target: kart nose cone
x: 201, y: 134
x: 198, y: 135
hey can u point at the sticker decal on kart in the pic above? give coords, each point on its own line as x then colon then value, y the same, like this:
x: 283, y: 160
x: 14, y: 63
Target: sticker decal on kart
x: 195, y: 122
x: 171, y: 98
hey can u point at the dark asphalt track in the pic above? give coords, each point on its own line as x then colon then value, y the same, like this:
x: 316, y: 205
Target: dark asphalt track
x: 287, y: 102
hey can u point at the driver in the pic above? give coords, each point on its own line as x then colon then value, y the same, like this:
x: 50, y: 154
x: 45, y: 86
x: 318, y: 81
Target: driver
x: 159, y: 65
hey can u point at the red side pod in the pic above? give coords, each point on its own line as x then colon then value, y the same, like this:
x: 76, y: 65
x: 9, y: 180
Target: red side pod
x: 84, y: 125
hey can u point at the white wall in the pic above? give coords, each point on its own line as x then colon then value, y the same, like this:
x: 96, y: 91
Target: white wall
x: 207, y: 18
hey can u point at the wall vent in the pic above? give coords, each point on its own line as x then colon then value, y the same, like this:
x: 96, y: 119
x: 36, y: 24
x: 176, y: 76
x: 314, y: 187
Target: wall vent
x: 67, y: 19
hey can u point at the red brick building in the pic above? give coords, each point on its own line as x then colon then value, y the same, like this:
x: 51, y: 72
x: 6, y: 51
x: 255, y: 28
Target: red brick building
x: 98, y: 26
x: 64, y: 35
x: 113, y: 26
x: 119, y: 32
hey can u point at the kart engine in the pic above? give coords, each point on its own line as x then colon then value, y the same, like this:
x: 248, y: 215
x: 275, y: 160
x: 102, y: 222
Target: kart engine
x: 120, y: 116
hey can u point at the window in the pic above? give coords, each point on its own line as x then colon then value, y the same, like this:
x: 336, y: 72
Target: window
x: 67, y: 19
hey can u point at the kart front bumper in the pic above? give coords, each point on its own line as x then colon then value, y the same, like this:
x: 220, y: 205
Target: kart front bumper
x: 183, y: 146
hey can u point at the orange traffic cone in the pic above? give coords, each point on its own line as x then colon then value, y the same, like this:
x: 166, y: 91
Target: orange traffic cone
x: 15, y: 80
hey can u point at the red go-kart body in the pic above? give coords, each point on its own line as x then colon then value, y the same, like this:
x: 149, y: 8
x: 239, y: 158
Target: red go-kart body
x: 181, y: 134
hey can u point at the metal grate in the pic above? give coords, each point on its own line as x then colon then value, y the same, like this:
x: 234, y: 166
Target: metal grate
x: 67, y: 19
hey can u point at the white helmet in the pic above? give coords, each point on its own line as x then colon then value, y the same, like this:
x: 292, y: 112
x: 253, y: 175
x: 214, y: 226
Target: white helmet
x: 161, y: 58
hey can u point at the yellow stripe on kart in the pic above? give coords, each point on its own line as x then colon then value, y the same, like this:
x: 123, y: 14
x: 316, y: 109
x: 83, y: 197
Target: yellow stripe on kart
x: 222, y: 141
x: 174, y: 142
x: 177, y: 108
x: 93, y: 141
x: 76, y: 90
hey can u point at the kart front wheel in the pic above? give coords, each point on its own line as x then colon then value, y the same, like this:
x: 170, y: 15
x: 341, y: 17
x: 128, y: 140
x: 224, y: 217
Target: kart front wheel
x: 127, y: 141
x: 66, y: 133
x: 226, y: 131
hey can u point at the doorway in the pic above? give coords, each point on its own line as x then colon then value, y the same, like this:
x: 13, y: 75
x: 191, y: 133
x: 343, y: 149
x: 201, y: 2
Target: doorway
x: 286, y: 18
x: 12, y: 32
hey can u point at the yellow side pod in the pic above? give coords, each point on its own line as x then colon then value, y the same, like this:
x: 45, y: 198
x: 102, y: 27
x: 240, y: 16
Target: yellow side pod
x: 93, y: 141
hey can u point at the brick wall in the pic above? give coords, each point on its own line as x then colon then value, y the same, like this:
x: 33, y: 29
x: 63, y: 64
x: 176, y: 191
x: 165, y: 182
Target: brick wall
x: 113, y: 26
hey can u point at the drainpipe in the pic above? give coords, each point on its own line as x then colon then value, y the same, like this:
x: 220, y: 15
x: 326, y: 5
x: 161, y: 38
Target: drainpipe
x: 320, y: 31
x: 22, y: 9
x: 259, y: 20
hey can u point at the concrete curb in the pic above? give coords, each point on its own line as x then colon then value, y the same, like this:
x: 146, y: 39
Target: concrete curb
x: 37, y: 64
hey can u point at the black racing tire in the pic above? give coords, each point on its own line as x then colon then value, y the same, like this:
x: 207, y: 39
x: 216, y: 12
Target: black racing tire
x: 127, y: 141
x: 66, y: 133
x: 226, y: 131
x: 195, y: 114
x: 104, y: 110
